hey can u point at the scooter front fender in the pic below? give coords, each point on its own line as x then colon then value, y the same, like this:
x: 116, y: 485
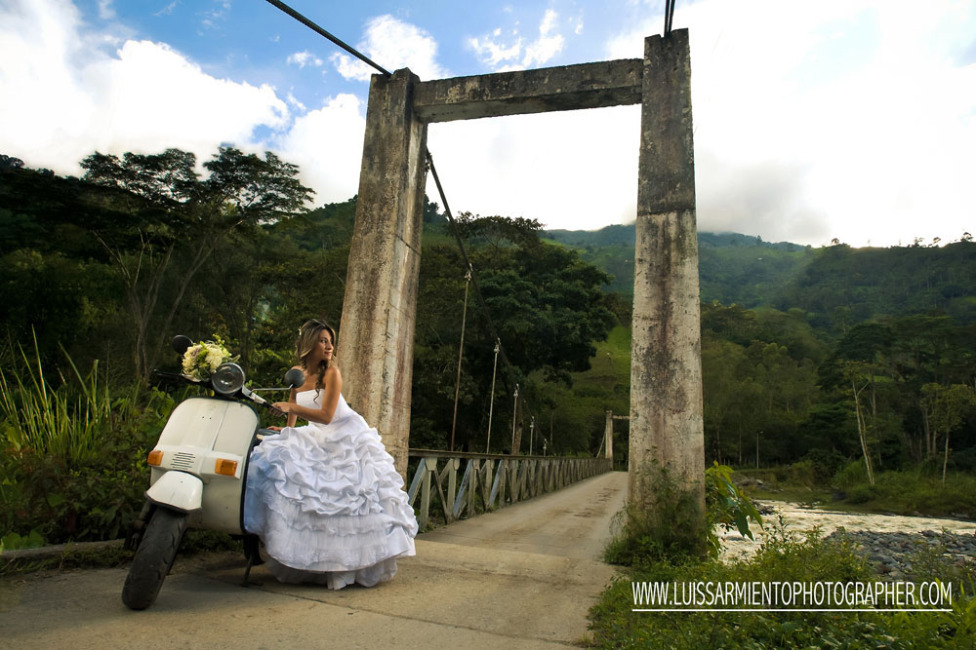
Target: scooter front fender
x: 177, y: 490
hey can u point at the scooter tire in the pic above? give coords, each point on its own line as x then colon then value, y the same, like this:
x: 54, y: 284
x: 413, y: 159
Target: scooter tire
x: 154, y: 558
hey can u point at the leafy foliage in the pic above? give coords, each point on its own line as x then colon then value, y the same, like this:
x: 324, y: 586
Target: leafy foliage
x: 84, y: 478
x: 727, y: 506
x: 546, y: 307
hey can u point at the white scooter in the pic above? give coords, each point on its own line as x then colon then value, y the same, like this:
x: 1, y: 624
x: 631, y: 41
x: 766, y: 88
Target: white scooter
x: 198, y: 474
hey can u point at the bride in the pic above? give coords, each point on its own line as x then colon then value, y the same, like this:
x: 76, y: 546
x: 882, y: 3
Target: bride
x: 325, y: 498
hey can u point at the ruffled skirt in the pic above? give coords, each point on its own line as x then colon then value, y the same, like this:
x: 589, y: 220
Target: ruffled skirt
x: 329, y: 505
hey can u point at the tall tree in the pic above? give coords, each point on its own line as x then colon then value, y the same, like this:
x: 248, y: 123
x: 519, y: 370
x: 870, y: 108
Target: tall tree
x: 944, y: 408
x: 174, y: 216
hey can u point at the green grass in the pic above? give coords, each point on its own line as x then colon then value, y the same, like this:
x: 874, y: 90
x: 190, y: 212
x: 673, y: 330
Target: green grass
x: 785, y: 556
x: 782, y: 558
x: 916, y: 492
x: 66, y: 421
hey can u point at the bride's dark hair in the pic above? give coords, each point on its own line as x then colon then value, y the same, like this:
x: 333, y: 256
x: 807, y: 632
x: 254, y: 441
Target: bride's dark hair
x: 308, y: 338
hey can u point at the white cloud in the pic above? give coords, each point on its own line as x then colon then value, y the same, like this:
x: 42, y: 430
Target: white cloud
x: 822, y: 120
x: 548, y: 23
x: 150, y: 84
x: 854, y: 120
x: 294, y: 101
x: 63, y: 97
x: 168, y: 9
x: 105, y: 9
x: 575, y: 170
x: 304, y: 58
x: 393, y: 44
x: 217, y: 13
x: 327, y: 144
x: 493, y: 52
x: 504, y: 53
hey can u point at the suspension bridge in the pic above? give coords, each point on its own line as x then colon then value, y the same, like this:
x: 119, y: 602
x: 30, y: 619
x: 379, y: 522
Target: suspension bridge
x: 516, y: 559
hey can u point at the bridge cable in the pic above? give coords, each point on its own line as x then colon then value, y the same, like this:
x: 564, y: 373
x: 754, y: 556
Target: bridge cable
x: 491, y: 404
x: 457, y: 382
x: 464, y: 258
x: 308, y: 23
x: 668, y: 16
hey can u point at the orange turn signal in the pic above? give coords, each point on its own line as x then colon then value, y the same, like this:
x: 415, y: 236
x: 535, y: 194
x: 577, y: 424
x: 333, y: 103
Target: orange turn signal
x: 225, y: 467
x: 155, y: 458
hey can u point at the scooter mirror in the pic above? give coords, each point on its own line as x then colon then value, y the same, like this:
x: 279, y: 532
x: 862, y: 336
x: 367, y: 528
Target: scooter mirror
x: 294, y: 378
x: 181, y: 343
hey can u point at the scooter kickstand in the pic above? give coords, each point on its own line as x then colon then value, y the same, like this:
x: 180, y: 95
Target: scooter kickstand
x: 247, y: 571
x: 252, y: 551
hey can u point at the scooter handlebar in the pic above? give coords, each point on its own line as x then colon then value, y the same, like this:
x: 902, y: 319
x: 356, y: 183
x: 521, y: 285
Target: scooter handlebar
x: 164, y: 377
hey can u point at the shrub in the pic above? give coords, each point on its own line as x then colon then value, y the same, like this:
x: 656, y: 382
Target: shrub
x: 664, y: 533
x: 862, y: 494
x: 851, y: 474
x: 824, y: 464
x: 91, y: 492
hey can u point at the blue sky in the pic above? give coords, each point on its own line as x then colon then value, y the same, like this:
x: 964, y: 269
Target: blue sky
x: 814, y: 120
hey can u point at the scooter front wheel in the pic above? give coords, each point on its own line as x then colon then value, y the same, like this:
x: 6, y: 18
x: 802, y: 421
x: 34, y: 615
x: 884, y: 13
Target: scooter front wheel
x: 153, y: 558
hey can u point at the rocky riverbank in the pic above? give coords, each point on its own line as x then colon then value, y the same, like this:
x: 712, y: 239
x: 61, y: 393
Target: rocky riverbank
x: 898, y: 547
x: 906, y: 556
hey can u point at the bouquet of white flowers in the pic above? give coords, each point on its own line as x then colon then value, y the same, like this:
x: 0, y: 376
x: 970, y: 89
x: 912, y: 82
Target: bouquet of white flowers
x: 202, y: 360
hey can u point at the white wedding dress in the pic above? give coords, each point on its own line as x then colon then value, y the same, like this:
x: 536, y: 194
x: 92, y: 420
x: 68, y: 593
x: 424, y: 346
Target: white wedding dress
x: 328, y: 503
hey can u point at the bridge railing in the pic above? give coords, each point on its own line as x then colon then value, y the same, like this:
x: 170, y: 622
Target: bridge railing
x: 488, y: 482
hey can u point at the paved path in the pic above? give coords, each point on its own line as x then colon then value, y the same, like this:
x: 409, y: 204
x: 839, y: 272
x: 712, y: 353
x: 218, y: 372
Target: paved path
x: 522, y: 577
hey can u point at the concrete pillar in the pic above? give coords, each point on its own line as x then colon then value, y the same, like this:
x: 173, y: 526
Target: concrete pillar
x: 375, y: 352
x: 608, y: 437
x: 666, y: 427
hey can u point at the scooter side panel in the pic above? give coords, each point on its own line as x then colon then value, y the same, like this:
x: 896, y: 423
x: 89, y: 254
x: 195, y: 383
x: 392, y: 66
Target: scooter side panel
x: 199, y: 432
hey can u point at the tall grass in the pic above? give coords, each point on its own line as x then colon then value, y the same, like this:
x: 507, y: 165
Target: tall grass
x: 66, y: 421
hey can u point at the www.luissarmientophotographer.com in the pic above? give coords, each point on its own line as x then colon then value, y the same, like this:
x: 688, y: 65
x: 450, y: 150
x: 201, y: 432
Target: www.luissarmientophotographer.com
x: 697, y: 596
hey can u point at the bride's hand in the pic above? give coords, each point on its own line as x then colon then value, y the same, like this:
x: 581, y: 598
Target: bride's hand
x: 281, y: 408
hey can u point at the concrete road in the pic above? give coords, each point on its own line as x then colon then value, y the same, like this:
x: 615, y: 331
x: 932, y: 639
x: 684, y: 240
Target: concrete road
x: 522, y: 577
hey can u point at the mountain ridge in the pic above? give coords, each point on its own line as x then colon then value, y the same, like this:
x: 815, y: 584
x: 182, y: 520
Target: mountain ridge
x: 867, y: 283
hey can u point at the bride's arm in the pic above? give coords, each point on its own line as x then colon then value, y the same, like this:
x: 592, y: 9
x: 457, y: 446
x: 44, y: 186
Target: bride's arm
x: 292, y: 419
x: 330, y: 401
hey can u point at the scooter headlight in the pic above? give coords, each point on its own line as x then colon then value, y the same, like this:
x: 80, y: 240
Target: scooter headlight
x: 228, y: 378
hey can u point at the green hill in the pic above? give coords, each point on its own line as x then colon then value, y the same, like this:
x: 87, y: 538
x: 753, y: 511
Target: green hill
x: 834, y: 285
x: 734, y: 268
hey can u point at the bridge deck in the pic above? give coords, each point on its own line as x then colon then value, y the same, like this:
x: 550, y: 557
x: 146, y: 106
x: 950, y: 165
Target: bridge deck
x: 573, y: 522
x: 523, y: 577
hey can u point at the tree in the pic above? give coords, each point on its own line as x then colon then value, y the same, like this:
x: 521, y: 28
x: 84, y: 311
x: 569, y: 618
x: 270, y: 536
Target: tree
x: 251, y: 190
x: 944, y: 408
x: 174, y: 217
x: 861, y: 375
x: 545, y: 304
x: 10, y: 162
